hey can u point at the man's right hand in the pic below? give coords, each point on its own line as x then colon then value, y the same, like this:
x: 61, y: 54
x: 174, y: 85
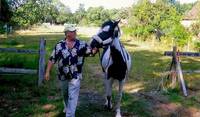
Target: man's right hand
x: 95, y: 50
x: 47, y: 76
x: 49, y: 66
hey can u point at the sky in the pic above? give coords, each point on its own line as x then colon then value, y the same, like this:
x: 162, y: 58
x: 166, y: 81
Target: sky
x: 108, y: 4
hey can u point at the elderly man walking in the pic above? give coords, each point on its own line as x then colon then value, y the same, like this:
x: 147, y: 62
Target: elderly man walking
x: 69, y: 54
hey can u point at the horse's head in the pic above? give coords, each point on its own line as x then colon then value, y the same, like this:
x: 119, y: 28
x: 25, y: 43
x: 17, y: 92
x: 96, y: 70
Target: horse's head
x: 109, y: 31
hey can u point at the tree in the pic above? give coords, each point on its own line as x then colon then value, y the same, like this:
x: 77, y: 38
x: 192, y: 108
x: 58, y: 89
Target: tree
x: 141, y: 19
x: 64, y: 14
x: 147, y: 16
x: 80, y: 13
x: 5, y: 12
x: 94, y: 15
x: 27, y: 14
x: 182, y: 8
x: 15, y: 4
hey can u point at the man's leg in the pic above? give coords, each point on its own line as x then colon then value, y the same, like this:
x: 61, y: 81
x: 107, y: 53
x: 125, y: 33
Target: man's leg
x: 73, y: 92
x: 64, y: 90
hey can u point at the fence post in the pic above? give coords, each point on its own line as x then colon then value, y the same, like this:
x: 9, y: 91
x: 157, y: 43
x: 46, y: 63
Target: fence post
x: 173, y: 68
x: 179, y: 72
x: 41, y: 70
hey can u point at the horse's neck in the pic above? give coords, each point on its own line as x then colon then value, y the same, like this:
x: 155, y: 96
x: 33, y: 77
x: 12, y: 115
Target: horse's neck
x: 116, y: 44
x: 115, y: 53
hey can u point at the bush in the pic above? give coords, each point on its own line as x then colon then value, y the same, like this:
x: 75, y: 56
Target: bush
x: 197, y: 46
x: 2, y: 29
x: 180, y: 34
x: 12, y: 42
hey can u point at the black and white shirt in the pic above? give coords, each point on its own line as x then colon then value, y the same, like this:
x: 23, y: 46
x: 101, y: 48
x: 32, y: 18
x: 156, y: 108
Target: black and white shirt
x: 70, y: 60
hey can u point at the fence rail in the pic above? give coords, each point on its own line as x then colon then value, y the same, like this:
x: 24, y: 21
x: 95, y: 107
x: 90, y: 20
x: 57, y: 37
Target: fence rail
x: 41, y: 67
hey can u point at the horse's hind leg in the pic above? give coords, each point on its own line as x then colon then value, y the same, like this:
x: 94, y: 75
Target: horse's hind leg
x: 108, y: 91
x: 119, y: 97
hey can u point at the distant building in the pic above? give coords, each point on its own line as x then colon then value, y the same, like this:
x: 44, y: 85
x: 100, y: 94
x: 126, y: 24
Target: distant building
x: 192, y: 16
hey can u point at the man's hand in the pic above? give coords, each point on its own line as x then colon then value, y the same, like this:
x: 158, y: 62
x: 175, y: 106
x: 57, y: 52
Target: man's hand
x: 49, y: 66
x: 47, y: 76
x: 94, y: 50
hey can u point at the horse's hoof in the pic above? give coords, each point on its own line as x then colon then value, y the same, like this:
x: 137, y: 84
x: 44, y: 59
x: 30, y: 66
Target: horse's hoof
x: 108, y: 107
x: 64, y: 110
x: 118, y: 115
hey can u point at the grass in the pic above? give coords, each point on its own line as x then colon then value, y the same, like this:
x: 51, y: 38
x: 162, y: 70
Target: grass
x: 20, y: 96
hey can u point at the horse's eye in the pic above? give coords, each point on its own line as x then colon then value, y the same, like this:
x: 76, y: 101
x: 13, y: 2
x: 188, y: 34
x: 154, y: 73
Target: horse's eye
x: 106, y: 28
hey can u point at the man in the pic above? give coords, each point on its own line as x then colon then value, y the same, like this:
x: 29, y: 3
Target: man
x: 69, y: 54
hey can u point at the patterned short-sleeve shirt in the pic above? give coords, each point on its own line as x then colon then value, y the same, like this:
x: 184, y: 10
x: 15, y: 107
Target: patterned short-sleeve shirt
x: 70, y: 61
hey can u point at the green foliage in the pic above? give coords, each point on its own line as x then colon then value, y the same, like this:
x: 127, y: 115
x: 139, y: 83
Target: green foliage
x: 2, y: 29
x: 27, y: 15
x: 80, y: 15
x: 147, y: 16
x: 144, y: 17
x: 180, y: 34
x: 64, y: 14
x: 5, y: 12
x: 94, y: 15
x: 31, y: 12
x: 183, y: 8
x: 127, y: 30
x: 197, y: 46
x: 174, y: 95
x: 11, y: 42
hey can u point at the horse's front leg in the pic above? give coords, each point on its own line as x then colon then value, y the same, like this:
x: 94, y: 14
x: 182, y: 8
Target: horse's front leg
x: 108, y: 92
x: 119, y: 97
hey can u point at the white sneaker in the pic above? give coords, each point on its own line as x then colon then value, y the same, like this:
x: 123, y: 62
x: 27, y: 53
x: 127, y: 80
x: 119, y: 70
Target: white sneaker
x: 118, y: 114
x: 64, y: 110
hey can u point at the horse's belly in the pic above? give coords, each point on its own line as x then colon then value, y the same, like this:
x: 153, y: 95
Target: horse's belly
x: 117, y: 71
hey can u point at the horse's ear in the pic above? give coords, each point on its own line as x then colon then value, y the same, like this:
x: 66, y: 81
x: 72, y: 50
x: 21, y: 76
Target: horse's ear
x: 117, y: 21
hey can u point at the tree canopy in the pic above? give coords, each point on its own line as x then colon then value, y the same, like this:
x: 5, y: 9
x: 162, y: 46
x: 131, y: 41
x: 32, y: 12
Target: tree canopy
x: 143, y: 18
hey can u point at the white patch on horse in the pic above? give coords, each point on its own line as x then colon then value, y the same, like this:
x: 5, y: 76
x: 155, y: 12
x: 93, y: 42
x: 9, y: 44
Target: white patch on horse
x: 106, y: 28
x: 107, y: 41
x: 107, y: 60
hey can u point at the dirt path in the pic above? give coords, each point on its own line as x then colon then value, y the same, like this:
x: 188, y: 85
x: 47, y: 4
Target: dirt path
x: 158, y: 104
x: 161, y: 107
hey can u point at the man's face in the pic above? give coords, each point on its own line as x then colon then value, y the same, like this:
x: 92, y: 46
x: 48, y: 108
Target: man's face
x: 70, y: 35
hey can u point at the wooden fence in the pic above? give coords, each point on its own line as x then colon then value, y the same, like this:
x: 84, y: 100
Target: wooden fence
x: 41, y: 68
x: 175, y: 67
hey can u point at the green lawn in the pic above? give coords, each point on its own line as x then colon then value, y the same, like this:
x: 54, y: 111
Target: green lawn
x: 20, y: 96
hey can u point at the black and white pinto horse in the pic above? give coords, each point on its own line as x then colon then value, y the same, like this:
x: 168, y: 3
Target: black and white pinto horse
x: 115, y: 60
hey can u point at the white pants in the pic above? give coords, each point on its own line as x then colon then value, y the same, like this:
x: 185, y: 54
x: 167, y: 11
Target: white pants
x: 70, y: 90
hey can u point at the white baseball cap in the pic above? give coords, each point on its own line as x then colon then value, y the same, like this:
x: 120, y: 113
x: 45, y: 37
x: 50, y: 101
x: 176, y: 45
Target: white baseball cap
x: 69, y: 28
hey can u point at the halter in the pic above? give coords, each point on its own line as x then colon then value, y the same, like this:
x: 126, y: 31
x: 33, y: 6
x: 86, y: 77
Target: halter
x: 107, y: 41
x: 98, y: 39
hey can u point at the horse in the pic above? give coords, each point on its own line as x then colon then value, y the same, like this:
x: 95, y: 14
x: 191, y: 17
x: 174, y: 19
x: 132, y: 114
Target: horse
x: 115, y: 60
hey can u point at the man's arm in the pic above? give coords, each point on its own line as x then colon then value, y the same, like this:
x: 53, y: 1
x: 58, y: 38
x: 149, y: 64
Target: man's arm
x: 89, y: 51
x: 52, y: 60
x: 49, y: 67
